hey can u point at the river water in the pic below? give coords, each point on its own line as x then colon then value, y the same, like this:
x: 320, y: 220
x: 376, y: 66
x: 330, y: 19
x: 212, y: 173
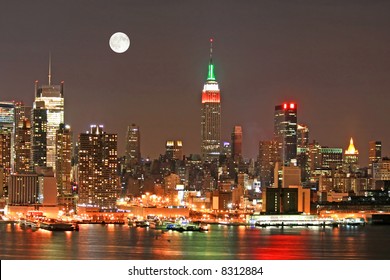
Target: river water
x: 121, y: 242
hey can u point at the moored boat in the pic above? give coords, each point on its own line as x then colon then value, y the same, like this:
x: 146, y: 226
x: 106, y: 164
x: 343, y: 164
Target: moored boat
x: 59, y: 226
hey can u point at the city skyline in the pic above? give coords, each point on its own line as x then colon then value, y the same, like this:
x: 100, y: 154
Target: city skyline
x: 265, y: 54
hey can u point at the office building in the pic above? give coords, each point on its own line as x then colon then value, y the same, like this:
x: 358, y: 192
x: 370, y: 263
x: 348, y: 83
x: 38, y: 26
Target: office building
x: 267, y: 158
x: 48, y: 114
x: 302, y: 136
x: 237, y: 144
x: 133, y: 147
x: 174, y: 149
x: 64, y: 139
x: 23, y: 163
x: 97, y: 168
x: 374, y: 152
x: 285, y: 131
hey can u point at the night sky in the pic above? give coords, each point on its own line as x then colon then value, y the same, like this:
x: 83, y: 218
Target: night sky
x: 331, y: 57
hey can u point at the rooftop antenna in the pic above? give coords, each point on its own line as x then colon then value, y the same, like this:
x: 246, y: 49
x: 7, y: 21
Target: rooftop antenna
x: 211, y: 50
x: 49, y: 68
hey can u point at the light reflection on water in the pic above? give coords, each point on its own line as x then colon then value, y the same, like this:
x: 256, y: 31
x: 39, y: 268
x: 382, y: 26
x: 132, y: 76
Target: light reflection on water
x: 221, y: 242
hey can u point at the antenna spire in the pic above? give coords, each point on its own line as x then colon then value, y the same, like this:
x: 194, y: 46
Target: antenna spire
x: 211, y: 75
x: 211, y: 50
x: 49, y: 68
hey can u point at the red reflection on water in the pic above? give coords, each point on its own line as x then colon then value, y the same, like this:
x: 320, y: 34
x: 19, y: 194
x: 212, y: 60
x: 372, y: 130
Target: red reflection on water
x: 282, y: 247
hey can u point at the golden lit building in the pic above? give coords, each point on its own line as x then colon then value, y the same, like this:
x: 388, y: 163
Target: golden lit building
x: 351, y: 157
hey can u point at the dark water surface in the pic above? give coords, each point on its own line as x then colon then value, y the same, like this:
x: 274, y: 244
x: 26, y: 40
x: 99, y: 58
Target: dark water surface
x: 120, y: 242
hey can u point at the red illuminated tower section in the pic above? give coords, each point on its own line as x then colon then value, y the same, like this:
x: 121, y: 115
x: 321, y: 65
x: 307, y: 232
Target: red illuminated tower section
x: 285, y: 131
x: 211, y: 115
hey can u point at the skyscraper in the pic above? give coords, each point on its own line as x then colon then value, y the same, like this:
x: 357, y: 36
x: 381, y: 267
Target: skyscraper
x: 97, y: 170
x: 133, y: 146
x: 302, y: 136
x: 374, y: 152
x: 23, y: 147
x: 351, y: 159
x: 22, y: 139
x: 7, y: 130
x: 268, y: 156
x: 63, y: 160
x: 237, y: 143
x: 39, y: 135
x: 285, y: 131
x: 174, y: 149
x: 211, y: 115
x: 49, y: 101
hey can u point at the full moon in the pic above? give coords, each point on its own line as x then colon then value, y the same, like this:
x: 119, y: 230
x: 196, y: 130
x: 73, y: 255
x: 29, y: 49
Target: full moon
x: 119, y: 42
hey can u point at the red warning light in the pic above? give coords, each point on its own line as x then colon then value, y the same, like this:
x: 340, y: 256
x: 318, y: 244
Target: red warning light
x: 292, y: 105
x: 285, y: 106
x: 211, y: 40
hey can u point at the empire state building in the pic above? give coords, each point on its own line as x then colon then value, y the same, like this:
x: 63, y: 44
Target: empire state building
x: 211, y: 115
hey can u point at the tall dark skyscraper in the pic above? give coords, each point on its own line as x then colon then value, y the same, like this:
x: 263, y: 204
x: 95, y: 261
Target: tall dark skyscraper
x: 285, y: 131
x: 133, y: 147
x: 211, y: 115
x: 374, y: 152
x: 237, y: 143
x: 39, y: 134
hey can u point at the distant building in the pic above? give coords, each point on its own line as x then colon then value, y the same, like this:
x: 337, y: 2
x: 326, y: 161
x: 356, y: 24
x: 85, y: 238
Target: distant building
x: 302, y: 136
x: 7, y: 129
x: 133, y: 147
x: 291, y: 200
x: 23, y: 163
x: 331, y: 158
x: 24, y: 189
x: 237, y: 144
x: 211, y: 116
x: 174, y: 149
x: 64, y: 141
x: 351, y: 158
x: 374, y: 152
x: 286, y: 176
x: 285, y: 131
x: 381, y: 174
x: 267, y: 158
x: 39, y: 135
x: 97, y: 168
x: 23, y: 122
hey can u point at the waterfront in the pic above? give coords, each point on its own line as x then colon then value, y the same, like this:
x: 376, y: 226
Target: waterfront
x: 120, y: 242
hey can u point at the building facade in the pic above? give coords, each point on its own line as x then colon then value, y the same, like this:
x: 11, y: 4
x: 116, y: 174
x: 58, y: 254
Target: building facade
x: 237, y: 143
x: 97, y: 168
x: 133, y: 147
x: 64, y: 142
x: 174, y: 149
x: 285, y: 131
